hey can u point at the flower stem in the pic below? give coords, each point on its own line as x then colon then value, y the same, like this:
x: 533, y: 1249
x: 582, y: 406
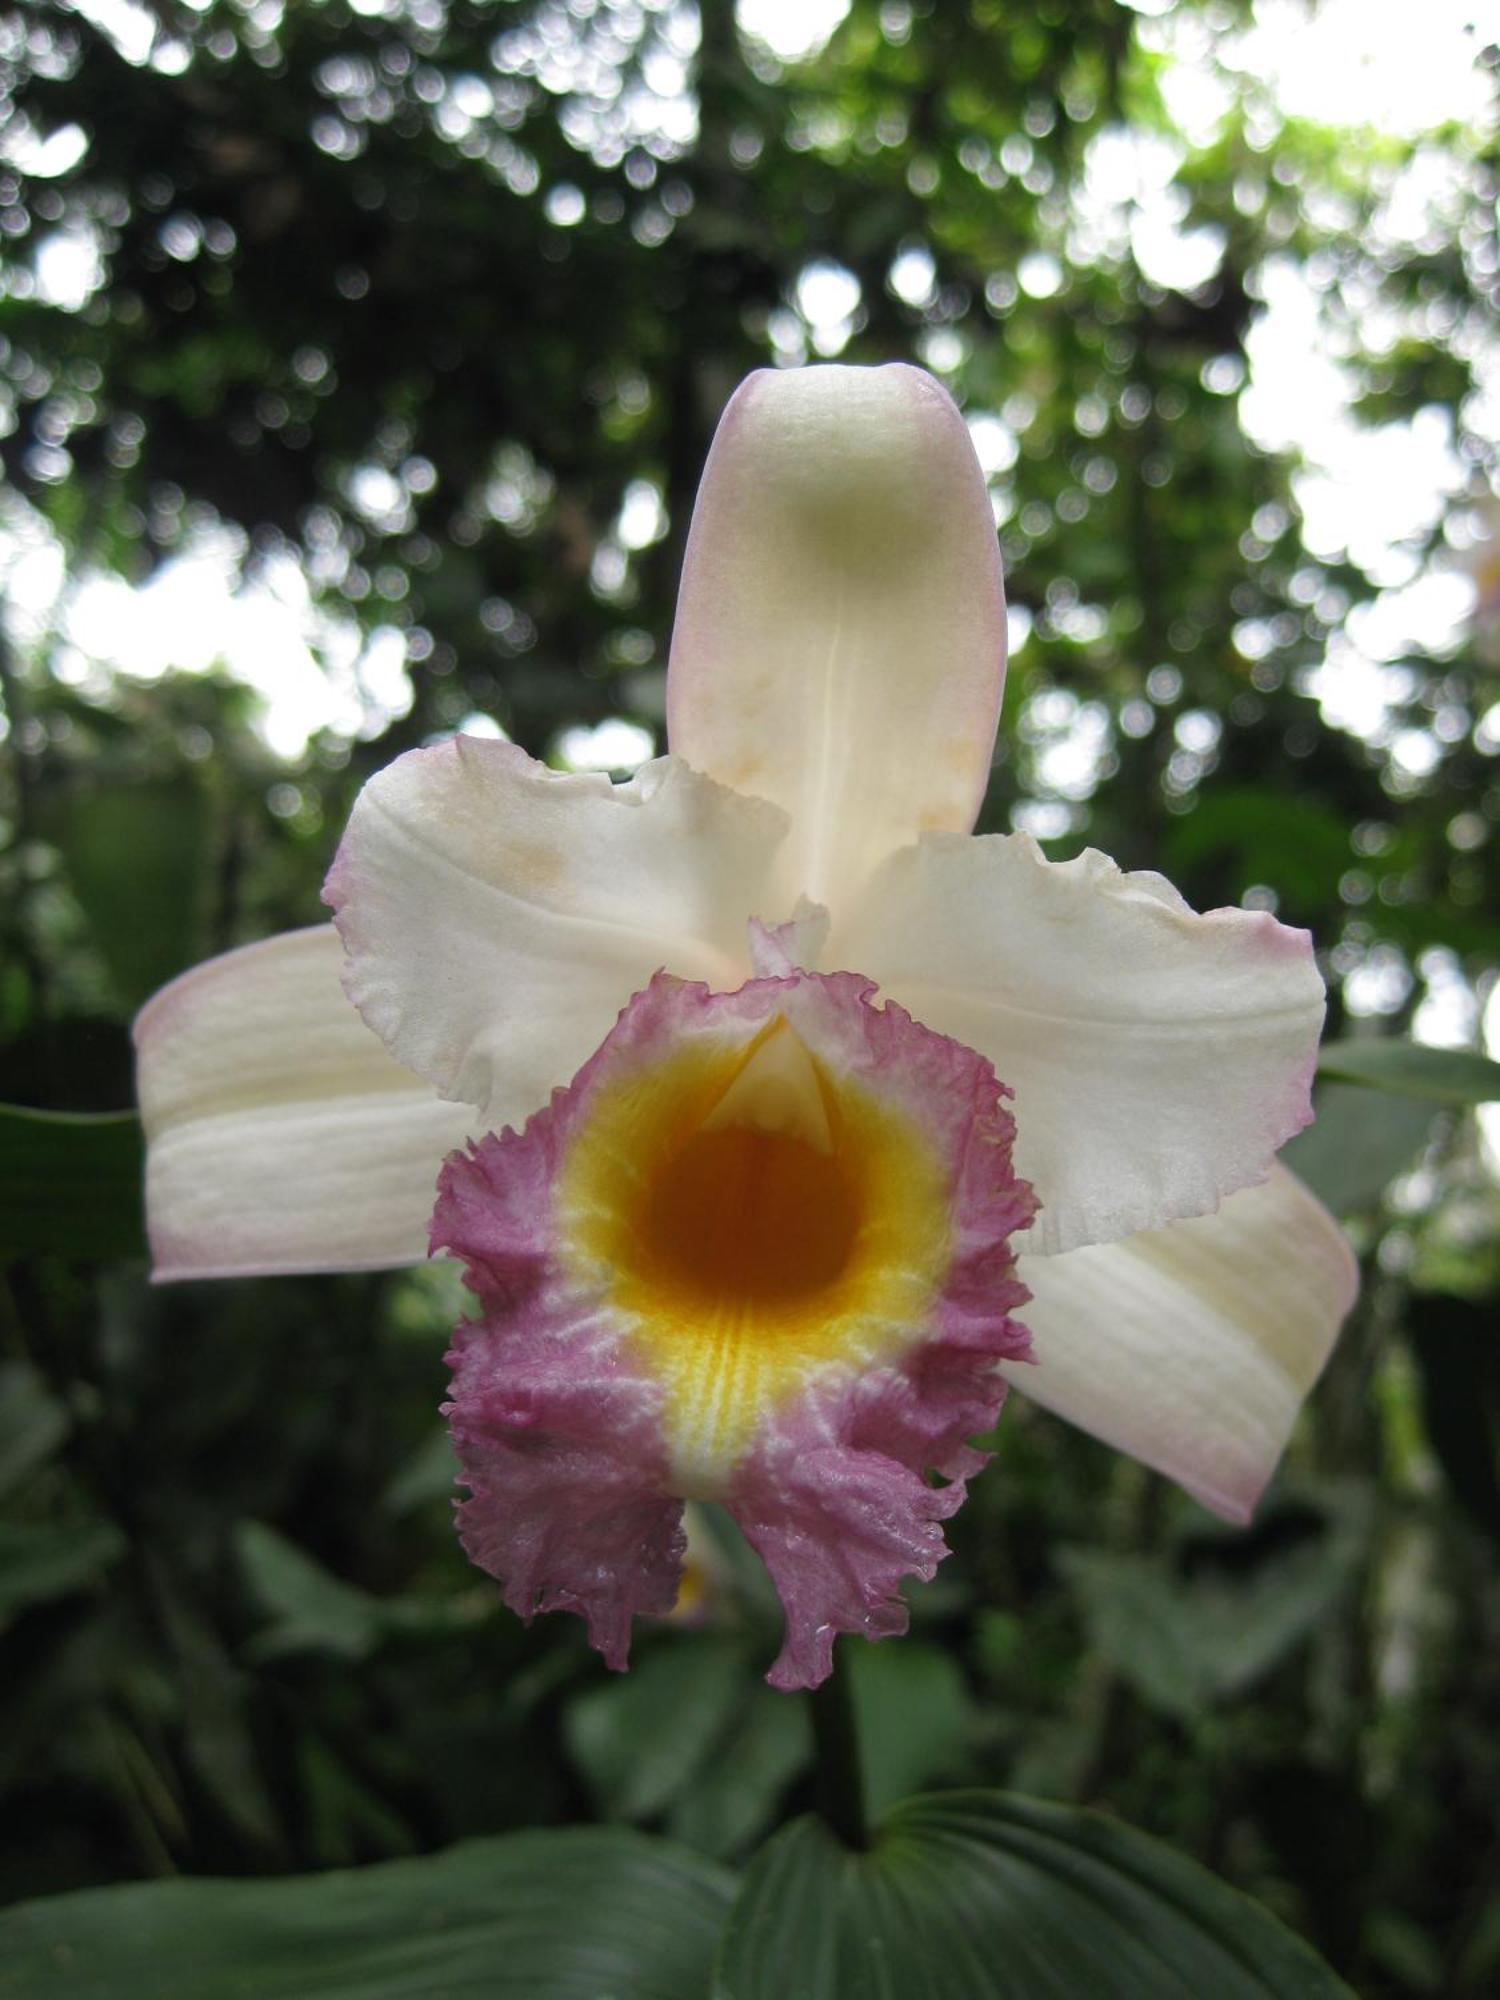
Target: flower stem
x: 838, y: 1786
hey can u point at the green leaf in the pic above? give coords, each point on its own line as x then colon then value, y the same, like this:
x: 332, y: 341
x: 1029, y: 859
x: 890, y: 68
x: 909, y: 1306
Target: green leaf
x: 1302, y: 845
x: 312, y: 1611
x: 968, y: 1893
x: 1411, y: 1069
x: 344, y: 1817
x: 692, y: 1738
x: 733, y: 1800
x: 562, y: 1915
x: 32, y: 1423
x: 1186, y: 1642
x: 139, y: 858
x: 429, y: 1474
x: 215, y: 1719
x: 1358, y: 1143
x: 915, y: 1717
x: 45, y: 1561
x: 642, y: 1737
x: 1135, y: 1621
x: 71, y: 1183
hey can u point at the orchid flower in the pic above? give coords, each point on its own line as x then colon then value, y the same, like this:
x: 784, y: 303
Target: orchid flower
x: 785, y: 1095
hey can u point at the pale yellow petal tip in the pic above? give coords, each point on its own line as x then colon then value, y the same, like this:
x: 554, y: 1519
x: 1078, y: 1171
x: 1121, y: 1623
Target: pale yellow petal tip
x: 862, y: 451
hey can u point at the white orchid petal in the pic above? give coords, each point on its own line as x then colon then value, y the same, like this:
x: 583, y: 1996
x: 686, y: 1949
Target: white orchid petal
x: 498, y: 915
x: 1159, y: 1058
x: 282, y: 1137
x: 840, y: 636
x: 1192, y: 1347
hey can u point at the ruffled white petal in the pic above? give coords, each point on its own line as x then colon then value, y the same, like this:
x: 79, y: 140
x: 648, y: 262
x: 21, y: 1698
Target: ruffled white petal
x: 840, y: 636
x: 1192, y: 1347
x: 1159, y: 1058
x: 498, y: 915
x: 280, y: 1135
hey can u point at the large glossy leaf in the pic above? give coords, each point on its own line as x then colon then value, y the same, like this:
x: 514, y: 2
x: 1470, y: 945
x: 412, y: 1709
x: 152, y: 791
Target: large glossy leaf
x: 970, y: 1894
x: 70, y: 1183
x: 564, y: 1915
x: 1411, y: 1069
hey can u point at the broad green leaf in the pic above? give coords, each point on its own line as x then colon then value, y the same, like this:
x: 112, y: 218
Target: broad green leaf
x: 1411, y: 1069
x: 915, y: 1718
x: 71, y: 1183
x: 642, y: 1737
x: 1135, y: 1620
x: 140, y: 860
x: 562, y: 1915
x: 1184, y: 1642
x: 53, y: 1559
x: 970, y: 1893
x: 733, y: 1800
x: 693, y: 1738
x: 1358, y: 1143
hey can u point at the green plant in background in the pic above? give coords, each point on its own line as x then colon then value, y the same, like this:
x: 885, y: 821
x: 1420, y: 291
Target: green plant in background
x: 241, y: 1642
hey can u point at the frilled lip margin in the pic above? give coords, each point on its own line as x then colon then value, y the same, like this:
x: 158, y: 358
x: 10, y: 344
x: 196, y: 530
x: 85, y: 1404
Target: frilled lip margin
x: 818, y: 1336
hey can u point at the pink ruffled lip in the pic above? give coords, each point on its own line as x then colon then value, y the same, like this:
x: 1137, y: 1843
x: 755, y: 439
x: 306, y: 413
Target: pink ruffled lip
x: 758, y: 1251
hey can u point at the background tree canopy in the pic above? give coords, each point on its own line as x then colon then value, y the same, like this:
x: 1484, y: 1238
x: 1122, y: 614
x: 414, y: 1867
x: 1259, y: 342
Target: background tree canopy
x: 411, y: 320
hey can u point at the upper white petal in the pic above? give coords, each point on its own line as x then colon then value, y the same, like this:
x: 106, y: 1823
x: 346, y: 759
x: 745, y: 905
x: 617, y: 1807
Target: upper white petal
x: 280, y: 1134
x: 840, y: 636
x: 498, y: 915
x: 1159, y: 1058
x: 1192, y: 1347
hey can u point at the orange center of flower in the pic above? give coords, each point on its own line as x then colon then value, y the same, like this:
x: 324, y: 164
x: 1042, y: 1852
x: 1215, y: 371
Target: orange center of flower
x: 757, y: 1220
x: 743, y: 1219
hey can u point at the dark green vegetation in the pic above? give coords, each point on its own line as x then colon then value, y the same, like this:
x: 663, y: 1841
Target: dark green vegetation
x: 405, y: 296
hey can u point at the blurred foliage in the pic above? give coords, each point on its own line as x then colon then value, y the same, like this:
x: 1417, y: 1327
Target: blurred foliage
x: 424, y: 313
